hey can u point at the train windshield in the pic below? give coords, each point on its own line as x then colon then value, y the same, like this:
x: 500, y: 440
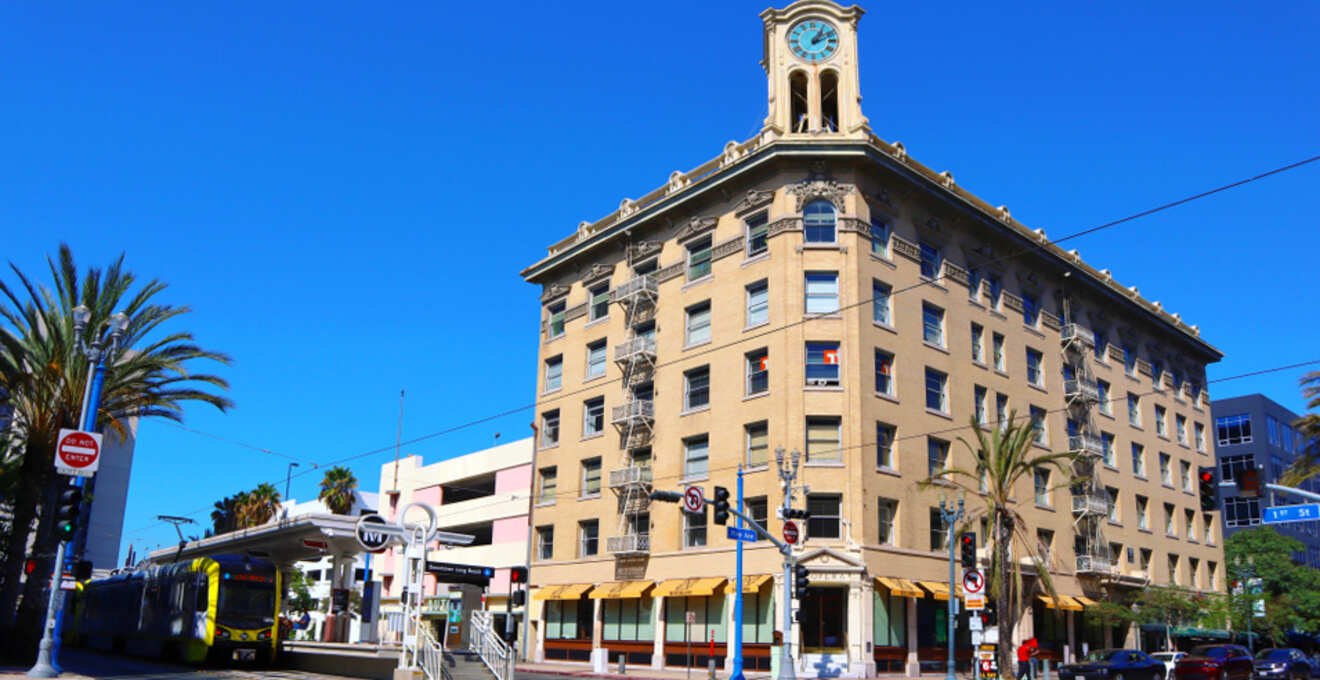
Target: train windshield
x: 246, y: 599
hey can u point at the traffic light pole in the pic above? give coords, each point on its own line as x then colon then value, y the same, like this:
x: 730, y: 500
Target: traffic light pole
x: 737, y: 670
x: 951, y: 517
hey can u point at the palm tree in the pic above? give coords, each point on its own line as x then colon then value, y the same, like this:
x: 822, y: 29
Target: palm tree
x: 337, y: 487
x: 1307, y: 465
x: 42, y: 374
x: 1003, y: 460
x: 261, y: 504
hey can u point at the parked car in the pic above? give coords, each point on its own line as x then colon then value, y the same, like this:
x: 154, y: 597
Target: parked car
x: 1113, y: 664
x: 1215, y: 662
x: 1169, y: 659
x: 1282, y: 663
x: 1315, y: 665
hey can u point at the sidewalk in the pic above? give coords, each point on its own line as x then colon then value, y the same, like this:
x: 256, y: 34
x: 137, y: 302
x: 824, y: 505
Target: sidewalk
x: 578, y: 670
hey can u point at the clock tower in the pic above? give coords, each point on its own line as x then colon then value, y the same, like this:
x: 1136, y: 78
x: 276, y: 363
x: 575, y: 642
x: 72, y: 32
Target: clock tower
x: 810, y: 64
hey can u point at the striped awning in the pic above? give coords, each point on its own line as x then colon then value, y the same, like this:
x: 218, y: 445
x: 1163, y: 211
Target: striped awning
x: 900, y: 587
x: 688, y: 587
x: 753, y: 584
x: 1085, y: 601
x: 571, y: 591
x: 938, y: 589
x: 1062, y: 602
x: 620, y: 590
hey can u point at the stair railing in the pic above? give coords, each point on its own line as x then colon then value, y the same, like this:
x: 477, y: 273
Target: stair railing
x: 430, y: 655
x: 487, y: 643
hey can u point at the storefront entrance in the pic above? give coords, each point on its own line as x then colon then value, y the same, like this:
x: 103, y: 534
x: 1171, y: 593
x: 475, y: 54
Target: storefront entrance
x: 824, y: 620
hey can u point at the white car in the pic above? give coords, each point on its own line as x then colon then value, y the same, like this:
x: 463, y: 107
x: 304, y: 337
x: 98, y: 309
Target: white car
x: 1169, y: 659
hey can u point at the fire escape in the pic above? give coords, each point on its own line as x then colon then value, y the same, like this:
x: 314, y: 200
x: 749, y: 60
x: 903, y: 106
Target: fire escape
x: 1090, y: 500
x: 635, y: 418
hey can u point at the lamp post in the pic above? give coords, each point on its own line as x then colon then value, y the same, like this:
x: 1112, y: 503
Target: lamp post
x: 1246, y: 573
x: 104, y: 345
x: 288, y: 477
x: 950, y: 516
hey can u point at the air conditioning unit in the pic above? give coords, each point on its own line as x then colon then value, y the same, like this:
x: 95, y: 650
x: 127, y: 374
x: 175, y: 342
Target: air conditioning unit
x: 822, y: 382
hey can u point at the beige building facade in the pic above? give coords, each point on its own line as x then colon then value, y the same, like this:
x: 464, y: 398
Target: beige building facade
x: 818, y: 290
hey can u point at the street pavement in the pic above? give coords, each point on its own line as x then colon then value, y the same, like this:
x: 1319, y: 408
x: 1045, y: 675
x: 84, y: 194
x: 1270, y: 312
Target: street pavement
x: 79, y: 664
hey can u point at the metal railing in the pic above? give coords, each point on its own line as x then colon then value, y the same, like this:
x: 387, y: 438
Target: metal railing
x: 1100, y: 564
x: 637, y: 348
x: 636, y: 409
x: 1081, y: 388
x: 487, y: 643
x: 644, y: 284
x: 628, y: 544
x: 430, y: 655
x: 1077, y: 333
x: 1090, y: 505
x: 630, y: 475
x: 1086, y: 444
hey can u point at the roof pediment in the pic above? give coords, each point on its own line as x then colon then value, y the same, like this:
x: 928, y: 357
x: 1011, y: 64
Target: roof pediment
x: 829, y: 559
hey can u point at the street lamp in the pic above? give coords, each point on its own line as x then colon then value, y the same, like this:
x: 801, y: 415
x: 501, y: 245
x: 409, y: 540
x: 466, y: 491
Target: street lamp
x: 950, y: 517
x: 288, y: 476
x: 102, y: 348
x: 1246, y: 573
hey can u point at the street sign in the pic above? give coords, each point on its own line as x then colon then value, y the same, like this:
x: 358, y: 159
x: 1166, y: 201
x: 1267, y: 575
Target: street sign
x: 338, y: 600
x: 974, y: 623
x: 973, y: 581
x: 974, y: 602
x: 691, y: 617
x: 67, y: 583
x: 694, y: 499
x: 448, y: 572
x: 1279, y: 514
x: 370, y: 533
x: 78, y: 453
x: 736, y: 534
x: 790, y: 532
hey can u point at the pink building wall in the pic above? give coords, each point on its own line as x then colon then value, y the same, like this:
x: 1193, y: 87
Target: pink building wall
x: 431, y: 495
x: 514, y: 479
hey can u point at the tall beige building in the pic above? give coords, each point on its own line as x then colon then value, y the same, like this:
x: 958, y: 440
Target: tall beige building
x: 817, y: 289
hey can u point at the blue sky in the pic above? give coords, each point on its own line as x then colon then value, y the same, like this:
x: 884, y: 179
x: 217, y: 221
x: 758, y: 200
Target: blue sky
x: 345, y: 193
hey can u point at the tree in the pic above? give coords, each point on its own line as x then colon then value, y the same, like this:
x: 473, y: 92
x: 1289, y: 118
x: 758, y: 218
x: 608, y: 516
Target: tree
x: 225, y: 516
x: 43, y: 372
x: 1307, y: 465
x: 297, y: 594
x: 1004, y: 459
x: 260, y: 505
x: 1171, y: 606
x: 1291, y: 591
x: 337, y: 487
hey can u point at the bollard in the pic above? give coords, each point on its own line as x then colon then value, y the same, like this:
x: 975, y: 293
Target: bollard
x: 623, y: 667
x: 1047, y: 669
x: 710, y: 666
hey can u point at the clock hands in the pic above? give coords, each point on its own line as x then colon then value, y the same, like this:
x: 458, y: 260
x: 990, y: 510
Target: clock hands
x: 820, y: 35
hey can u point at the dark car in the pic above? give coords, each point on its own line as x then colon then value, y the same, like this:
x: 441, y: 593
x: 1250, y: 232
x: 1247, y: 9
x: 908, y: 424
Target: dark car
x: 1113, y: 664
x: 1215, y: 662
x: 1282, y: 663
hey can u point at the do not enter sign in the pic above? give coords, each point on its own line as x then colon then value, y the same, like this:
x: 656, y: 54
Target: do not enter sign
x: 78, y: 453
x: 790, y: 532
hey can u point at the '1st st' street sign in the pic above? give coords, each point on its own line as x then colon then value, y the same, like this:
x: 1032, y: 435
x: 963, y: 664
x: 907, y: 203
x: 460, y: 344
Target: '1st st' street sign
x: 1280, y: 514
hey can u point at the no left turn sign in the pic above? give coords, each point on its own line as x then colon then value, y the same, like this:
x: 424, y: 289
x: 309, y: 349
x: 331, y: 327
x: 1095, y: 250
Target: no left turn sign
x: 78, y: 453
x: 694, y: 500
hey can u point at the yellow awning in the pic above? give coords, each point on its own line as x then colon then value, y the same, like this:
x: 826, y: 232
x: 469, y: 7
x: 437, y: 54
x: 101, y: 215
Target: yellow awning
x: 900, y: 587
x: 753, y: 584
x: 620, y: 590
x: 688, y: 587
x: 938, y: 589
x: 571, y: 591
x: 1062, y: 602
x: 1085, y: 601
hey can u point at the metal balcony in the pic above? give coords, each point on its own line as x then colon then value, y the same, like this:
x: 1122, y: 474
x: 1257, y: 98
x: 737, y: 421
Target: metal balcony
x: 1076, y: 333
x: 630, y: 476
x: 1086, y: 444
x: 635, y: 411
x: 1081, y: 389
x: 1090, y: 505
x: 631, y: 544
x: 1094, y: 564
x: 641, y: 287
x: 640, y: 348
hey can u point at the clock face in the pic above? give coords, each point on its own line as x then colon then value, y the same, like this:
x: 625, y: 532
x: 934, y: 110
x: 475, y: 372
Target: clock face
x: 813, y: 40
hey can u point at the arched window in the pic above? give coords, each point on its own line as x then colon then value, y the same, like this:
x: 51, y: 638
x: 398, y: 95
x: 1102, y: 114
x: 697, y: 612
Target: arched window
x: 818, y: 222
x: 829, y: 101
x: 797, y: 97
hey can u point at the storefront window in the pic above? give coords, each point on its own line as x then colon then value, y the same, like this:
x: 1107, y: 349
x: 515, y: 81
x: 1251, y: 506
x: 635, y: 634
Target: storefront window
x: 627, y: 620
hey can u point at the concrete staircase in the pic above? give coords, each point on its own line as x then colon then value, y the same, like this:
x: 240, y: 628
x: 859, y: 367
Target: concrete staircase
x: 465, y: 665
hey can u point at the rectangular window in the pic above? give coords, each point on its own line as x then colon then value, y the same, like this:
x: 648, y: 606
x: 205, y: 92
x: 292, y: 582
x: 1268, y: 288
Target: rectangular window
x: 549, y: 428
x: 979, y: 397
x: 545, y: 542
x: 826, y: 509
x: 1232, y: 430
x: 1102, y: 389
x: 884, y: 445
x: 1030, y: 310
x: 996, y: 285
x: 591, y: 477
x: 588, y: 537
x: 698, y: 258
x: 937, y: 455
x: 758, y: 371
x: 1107, y: 448
x: 1173, y: 569
x: 1185, y: 475
x: 694, y: 529
x: 1272, y: 430
x: 596, y: 359
x: 931, y: 260
x: 1101, y: 346
x: 697, y: 329
x: 939, y: 531
x: 1160, y: 416
x: 1230, y: 467
x: 554, y: 373
x: 822, y: 292
x: 824, y: 438
x: 1156, y: 372
x: 696, y: 456
x: 1180, y: 427
x: 549, y: 485
x: 1189, y: 517
x: 932, y: 324
x: 1041, y: 486
x: 1129, y: 359
x: 696, y: 388
x: 879, y: 237
x: 1044, y: 544
x: 1038, y: 419
x: 974, y: 283
x: 880, y: 303
x: 822, y: 363
x: 1134, y: 409
x: 758, y: 509
x: 1034, y: 374
x: 1112, y: 494
x: 997, y: 350
x: 557, y: 311
x: 1199, y: 429
x: 600, y: 302
x: 1169, y: 528
x: 978, y: 344
x: 888, y: 514
x: 1138, y: 460
x: 1142, y: 518
x: 1241, y: 512
x: 936, y: 396
x: 758, y: 303
x: 1208, y: 522
x: 757, y: 436
x: 818, y: 222
x: 758, y: 231
x: 1001, y: 410
x: 884, y: 372
x: 1166, y: 474
x: 1193, y: 566
x: 593, y: 416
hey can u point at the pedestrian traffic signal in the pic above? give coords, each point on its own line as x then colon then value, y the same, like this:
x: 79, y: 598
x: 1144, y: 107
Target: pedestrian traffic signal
x: 967, y: 543
x: 721, y: 505
x: 518, y: 575
x: 1248, y: 483
x: 70, y: 506
x: 800, y: 581
x: 29, y: 566
x: 1206, y: 476
x: 519, y: 598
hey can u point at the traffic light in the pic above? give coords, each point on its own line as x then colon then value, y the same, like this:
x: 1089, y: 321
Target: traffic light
x: 82, y: 570
x: 967, y: 543
x: 800, y: 581
x: 66, y: 523
x: 792, y: 513
x: 667, y: 496
x: 519, y: 598
x: 721, y: 505
x: 518, y: 574
x: 29, y: 566
x: 1248, y: 483
x: 1206, y: 477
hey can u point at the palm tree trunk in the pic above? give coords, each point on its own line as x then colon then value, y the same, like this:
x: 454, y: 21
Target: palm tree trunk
x: 33, y: 608
x: 25, y: 511
x: 1003, y: 601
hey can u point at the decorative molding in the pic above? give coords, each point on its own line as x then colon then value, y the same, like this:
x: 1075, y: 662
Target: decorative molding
x: 1050, y: 320
x: 881, y: 199
x: 956, y: 272
x: 754, y: 199
x: 597, y: 271
x: 696, y: 227
x: 854, y: 225
x: 932, y: 224
x: 727, y: 248
x: 554, y: 290
x: 783, y: 225
x: 828, y: 189
x: 672, y: 271
x: 906, y: 248
x: 1144, y: 367
x: 677, y: 180
x: 643, y: 249
x: 1115, y: 352
x: 626, y: 208
x: 575, y: 312
x: 1012, y: 301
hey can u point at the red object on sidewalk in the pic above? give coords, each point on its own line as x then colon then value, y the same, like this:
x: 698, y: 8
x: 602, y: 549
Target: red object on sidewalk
x: 712, y: 643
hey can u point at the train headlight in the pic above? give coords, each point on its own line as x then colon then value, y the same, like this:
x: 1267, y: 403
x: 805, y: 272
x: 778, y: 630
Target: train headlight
x: 221, y: 633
